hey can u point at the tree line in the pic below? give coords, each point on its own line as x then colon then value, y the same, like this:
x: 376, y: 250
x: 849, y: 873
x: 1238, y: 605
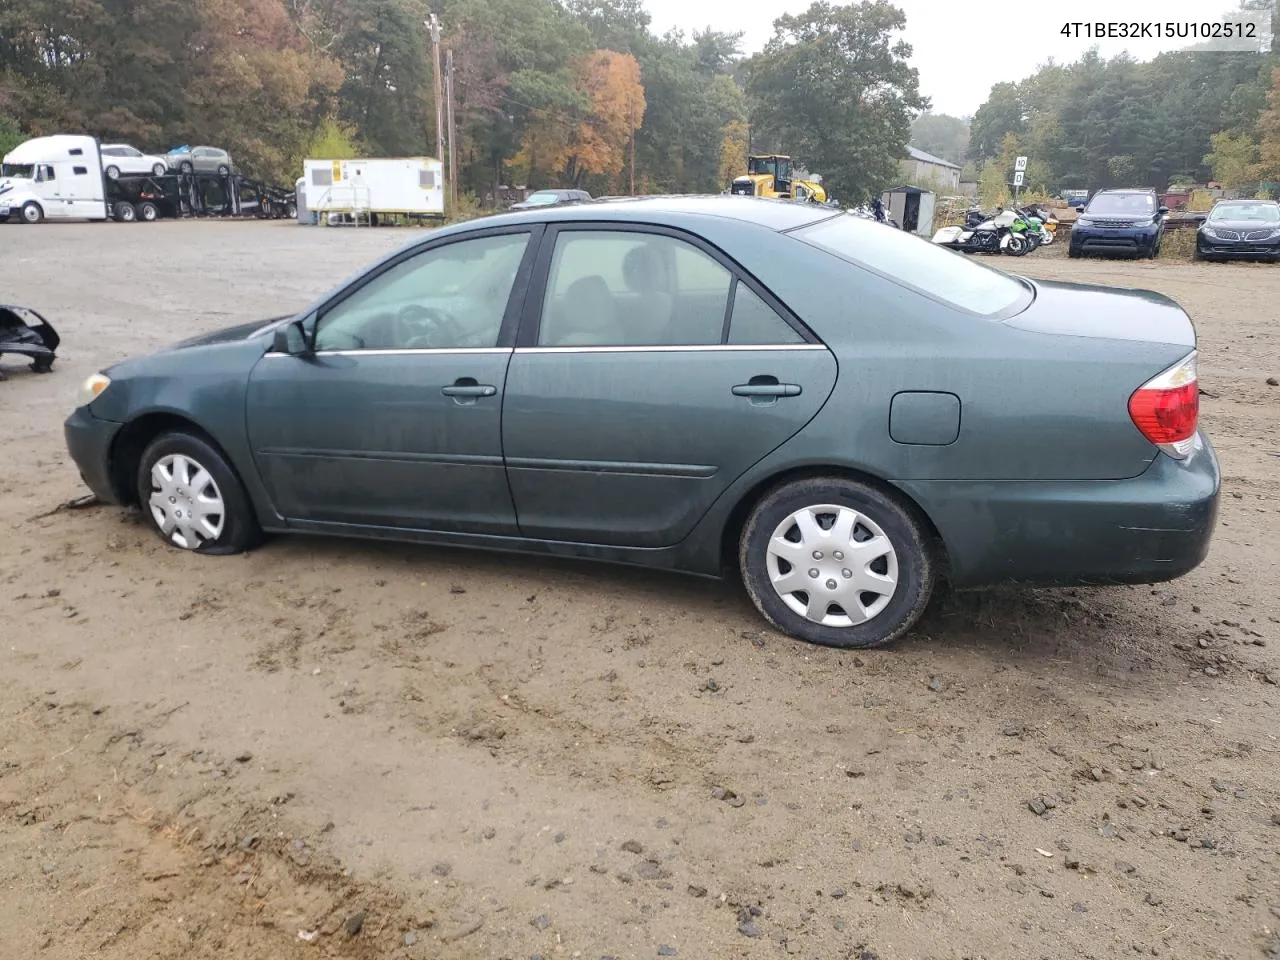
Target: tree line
x: 547, y: 92
x: 1188, y: 116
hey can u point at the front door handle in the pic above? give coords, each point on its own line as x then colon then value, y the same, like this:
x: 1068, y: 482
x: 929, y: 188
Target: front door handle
x: 467, y: 389
x: 766, y: 389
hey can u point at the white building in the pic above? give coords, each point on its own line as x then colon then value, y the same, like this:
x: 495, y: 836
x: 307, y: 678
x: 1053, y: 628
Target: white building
x: 921, y: 169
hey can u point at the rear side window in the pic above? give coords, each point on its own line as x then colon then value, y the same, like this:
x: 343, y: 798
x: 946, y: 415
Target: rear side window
x: 755, y: 323
x: 628, y: 288
x: 918, y: 264
x: 79, y: 171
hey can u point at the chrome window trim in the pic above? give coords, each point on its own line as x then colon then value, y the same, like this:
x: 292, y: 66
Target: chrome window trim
x: 471, y: 351
x: 404, y: 351
x: 698, y: 348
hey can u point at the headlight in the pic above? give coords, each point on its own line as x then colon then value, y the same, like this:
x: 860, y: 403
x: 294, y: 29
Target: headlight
x: 1210, y: 232
x: 91, y: 388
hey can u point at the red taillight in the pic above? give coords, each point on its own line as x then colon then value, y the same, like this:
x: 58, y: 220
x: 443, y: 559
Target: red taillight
x: 1167, y: 408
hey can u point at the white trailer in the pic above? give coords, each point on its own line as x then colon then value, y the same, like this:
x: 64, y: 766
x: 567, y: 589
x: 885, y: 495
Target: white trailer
x: 58, y: 177
x: 409, y: 186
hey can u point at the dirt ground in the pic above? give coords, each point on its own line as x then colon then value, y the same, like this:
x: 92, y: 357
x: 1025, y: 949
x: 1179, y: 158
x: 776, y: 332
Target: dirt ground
x: 341, y: 749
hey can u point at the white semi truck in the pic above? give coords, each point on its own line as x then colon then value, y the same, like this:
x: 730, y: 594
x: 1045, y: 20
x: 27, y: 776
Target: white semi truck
x: 58, y: 177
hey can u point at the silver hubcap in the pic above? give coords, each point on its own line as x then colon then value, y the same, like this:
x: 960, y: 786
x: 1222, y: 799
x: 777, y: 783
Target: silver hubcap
x: 185, y: 502
x: 832, y: 565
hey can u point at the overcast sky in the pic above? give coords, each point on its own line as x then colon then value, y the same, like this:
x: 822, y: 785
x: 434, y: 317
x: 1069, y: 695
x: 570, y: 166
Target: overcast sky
x: 960, y: 47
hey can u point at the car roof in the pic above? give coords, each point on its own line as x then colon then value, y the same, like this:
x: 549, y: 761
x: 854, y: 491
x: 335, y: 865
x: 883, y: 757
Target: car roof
x: 1128, y: 190
x: 1269, y: 203
x: 775, y: 214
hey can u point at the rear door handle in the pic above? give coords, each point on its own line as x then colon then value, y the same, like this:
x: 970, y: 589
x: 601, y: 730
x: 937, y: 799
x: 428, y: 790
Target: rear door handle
x: 766, y: 387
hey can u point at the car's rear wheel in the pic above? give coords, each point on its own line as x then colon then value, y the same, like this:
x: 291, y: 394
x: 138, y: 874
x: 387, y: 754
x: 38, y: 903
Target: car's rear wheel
x: 186, y: 166
x: 836, y: 562
x: 193, y: 497
x: 148, y: 211
x: 158, y: 169
x: 113, y: 172
x: 223, y: 170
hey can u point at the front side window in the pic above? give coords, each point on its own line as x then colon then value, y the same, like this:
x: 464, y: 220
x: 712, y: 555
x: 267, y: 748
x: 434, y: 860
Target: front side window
x: 622, y: 288
x: 448, y: 298
x: 44, y: 172
x: 916, y: 263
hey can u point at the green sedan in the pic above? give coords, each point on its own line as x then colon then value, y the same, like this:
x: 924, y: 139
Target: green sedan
x: 840, y: 413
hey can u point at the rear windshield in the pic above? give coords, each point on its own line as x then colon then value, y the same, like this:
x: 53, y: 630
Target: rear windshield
x: 953, y: 278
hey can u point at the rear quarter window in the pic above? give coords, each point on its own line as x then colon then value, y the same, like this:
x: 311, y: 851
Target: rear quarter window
x: 913, y: 262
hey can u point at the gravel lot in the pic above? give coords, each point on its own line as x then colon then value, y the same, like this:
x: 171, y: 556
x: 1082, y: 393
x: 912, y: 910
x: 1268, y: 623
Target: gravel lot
x: 329, y: 748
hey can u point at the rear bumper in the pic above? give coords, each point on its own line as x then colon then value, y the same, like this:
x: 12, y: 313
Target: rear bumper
x: 1147, y: 529
x: 89, y: 441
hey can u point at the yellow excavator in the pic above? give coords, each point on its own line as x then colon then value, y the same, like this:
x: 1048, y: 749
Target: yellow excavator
x: 769, y: 175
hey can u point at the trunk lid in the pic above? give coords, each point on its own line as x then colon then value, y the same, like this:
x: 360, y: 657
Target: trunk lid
x: 1105, y: 313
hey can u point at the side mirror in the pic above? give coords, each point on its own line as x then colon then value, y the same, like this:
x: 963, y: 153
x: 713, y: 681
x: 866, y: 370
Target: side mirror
x: 1163, y: 210
x: 1079, y: 209
x: 291, y: 339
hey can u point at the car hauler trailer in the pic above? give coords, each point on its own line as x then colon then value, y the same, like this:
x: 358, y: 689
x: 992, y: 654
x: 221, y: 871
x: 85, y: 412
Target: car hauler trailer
x: 56, y: 178
x: 143, y: 197
x: 411, y: 187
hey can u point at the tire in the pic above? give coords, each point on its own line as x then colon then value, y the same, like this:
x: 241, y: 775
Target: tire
x: 1073, y: 252
x: 864, y: 508
x: 158, y: 169
x: 1017, y: 247
x: 32, y: 212
x: 223, y: 170
x: 148, y: 211
x: 112, y: 172
x: 182, y: 457
x: 126, y: 212
x: 186, y: 166
x: 291, y: 211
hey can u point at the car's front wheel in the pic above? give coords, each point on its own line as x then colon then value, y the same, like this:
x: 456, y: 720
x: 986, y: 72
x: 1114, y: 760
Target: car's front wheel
x: 836, y: 562
x: 193, y: 497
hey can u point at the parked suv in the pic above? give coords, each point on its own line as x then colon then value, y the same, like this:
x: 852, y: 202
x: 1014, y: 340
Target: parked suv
x: 1119, y: 221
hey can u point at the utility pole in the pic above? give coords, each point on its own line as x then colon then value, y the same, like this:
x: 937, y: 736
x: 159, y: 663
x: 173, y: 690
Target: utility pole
x: 453, y: 152
x: 434, y: 26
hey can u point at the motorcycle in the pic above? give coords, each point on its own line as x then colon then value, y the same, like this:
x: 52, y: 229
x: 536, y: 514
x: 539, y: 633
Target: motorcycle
x: 1038, y: 222
x: 1003, y: 232
x: 25, y: 332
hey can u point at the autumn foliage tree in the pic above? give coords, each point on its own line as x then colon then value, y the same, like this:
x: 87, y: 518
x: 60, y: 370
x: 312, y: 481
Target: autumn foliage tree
x: 592, y: 135
x: 1269, y: 132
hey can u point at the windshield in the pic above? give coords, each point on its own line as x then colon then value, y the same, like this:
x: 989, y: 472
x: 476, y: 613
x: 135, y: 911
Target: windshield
x: 916, y: 263
x: 1122, y: 205
x: 19, y: 171
x: 1260, y: 212
x: 542, y: 197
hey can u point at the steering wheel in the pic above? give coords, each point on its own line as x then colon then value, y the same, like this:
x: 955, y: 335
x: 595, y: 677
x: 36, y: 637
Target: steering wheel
x: 420, y: 327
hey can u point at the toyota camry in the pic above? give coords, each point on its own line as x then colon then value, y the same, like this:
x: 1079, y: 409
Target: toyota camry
x: 838, y: 412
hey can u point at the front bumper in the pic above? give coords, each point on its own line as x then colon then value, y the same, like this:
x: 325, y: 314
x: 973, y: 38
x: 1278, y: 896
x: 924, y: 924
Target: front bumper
x: 1148, y: 529
x: 1238, y: 250
x: 1112, y: 241
x: 89, y: 441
